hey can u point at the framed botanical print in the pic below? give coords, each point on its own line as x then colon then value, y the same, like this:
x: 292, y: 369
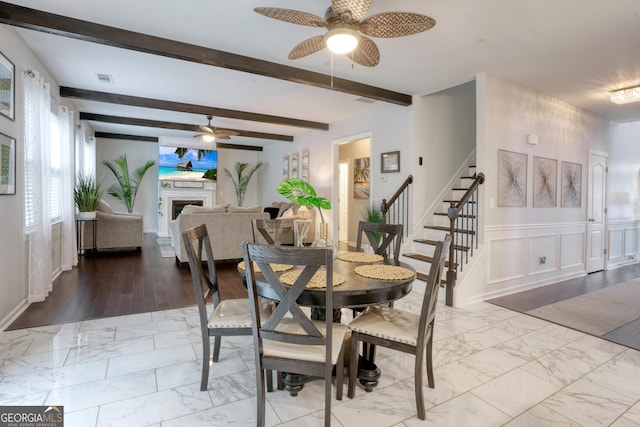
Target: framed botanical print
x: 7, y: 165
x: 7, y: 87
x: 294, y: 165
x: 285, y: 167
x: 304, y: 165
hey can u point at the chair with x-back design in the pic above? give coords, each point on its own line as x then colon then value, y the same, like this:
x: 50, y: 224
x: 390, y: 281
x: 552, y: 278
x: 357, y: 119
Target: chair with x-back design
x: 273, y: 231
x: 289, y: 340
x: 381, y: 237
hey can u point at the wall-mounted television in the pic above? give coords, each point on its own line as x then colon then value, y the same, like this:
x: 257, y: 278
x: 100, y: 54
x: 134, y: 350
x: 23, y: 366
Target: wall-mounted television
x: 184, y: 163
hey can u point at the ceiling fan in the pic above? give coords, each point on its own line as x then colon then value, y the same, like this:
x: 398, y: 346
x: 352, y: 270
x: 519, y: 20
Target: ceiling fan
x: 343, y: 20
x: 210, y: 133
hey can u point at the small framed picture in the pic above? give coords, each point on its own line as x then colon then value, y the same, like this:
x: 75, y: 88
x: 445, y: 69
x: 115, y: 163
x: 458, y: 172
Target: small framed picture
x: 7, y: 165
x: 7, y: 87
x: 390, y: 162
x: 294, y: 165
x: 285, y: 167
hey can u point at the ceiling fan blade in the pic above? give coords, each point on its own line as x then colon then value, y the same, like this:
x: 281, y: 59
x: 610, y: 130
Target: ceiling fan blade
x: 357, y: 8
x: 396, y: 24
x: 307, y: 47
x: 206, y: 128
x: 366, y: 54
x: 292, y: 16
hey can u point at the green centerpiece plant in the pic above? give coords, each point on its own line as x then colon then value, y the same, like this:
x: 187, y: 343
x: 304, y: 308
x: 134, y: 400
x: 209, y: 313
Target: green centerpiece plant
x: 374, y: 214
x: 303, y: 194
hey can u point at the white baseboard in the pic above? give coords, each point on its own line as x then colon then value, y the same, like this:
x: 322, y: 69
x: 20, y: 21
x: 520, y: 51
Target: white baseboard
x: 13, y: 315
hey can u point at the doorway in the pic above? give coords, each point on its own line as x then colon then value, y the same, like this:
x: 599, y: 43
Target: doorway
x: 353, y: 198
x: 596, y: 213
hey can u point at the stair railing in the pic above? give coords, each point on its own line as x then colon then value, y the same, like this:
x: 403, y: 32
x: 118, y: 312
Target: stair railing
x: 396, y: 210
x: 463, y: 215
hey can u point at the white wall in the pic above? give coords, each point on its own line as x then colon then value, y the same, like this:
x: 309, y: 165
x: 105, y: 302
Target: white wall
x: 445, y: 135
x: 623, y: 198
x: 138, y: 153
x: 13, y: 246
x: 516, y: 237
x: 390, y: 129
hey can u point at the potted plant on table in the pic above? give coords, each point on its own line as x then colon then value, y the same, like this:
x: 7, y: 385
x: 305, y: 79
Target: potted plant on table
x: 86, y: 194
x: 303, y: 194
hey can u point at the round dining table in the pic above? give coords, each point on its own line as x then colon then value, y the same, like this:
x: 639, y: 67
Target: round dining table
x: 356, y: 292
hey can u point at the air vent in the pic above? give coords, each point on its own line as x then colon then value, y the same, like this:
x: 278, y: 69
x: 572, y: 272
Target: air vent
x: 366, y: 100
x: 105, y: 78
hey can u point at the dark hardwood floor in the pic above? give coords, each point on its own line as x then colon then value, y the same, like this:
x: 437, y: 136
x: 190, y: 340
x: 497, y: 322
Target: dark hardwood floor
x: 117, y: 283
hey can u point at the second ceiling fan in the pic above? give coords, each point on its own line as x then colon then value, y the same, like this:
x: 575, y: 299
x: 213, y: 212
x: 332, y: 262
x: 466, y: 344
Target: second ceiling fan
x: 209, y: 133
x: 347, y: 31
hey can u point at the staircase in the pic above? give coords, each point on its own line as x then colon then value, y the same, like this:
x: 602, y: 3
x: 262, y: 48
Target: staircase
x: 458, y: 212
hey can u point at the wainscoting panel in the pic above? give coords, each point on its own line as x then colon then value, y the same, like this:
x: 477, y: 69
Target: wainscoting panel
x: 622, y: 248
x: 616, y: 244
x: 543, y: 253
x: 508, y: 258
x: 572, y: 250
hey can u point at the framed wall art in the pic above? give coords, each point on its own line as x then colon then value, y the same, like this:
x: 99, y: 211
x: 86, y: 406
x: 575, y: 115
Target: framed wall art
x: 304, y: 165
x: 285, y: 167
x: 7, y: 165
x: 512, y: 179
x: 545, y: 182
x: 571, y: 185
x: 361, y: 183
x: 294, y: 165
x: 7, y: 87
x: 390, y: 162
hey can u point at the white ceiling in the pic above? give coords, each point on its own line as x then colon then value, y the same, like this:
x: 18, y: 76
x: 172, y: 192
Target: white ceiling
x: 573, y: 50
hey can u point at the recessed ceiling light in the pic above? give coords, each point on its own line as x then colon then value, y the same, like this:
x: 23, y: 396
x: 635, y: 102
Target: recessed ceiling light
x: 625, y: 95
x: 105, y: 78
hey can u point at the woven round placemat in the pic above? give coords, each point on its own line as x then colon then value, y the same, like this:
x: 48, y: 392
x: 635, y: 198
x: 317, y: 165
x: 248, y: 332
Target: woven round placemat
x: 277, y: 268
x: 359, y: 257
x: 383, y: 272
x: 319, y: 280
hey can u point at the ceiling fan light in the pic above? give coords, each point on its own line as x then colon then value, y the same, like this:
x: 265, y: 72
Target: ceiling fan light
x: 625, y: 95
x: 208, y: 138
x: 342, y: 40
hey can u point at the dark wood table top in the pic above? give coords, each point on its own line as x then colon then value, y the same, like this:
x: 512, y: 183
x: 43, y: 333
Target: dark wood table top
x: 357, y: 291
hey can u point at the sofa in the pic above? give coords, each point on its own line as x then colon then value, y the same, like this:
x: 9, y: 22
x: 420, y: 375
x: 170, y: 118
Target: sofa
x: 228, y: 228
x: 116, y: 229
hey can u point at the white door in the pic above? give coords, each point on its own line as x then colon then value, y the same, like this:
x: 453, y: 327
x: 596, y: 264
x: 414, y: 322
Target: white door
x: 596, y: 213
x: 343, y: 203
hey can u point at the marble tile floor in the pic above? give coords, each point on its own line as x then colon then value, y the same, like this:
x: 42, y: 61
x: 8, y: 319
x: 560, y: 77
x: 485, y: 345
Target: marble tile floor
x: 493, y: 367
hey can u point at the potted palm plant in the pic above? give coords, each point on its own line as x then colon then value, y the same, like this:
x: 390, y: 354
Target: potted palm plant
x: 303, y: 194
x: 241, y: 180
x: 126, y: 187
x: 87, y: 194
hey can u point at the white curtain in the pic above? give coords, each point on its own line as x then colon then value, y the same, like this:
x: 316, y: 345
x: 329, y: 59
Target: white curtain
x: 67, y: 142
x: 36, y: 178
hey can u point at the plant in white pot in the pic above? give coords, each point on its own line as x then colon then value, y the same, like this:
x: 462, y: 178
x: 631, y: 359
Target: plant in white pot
x: 303, y: 194
x: 87, y: 194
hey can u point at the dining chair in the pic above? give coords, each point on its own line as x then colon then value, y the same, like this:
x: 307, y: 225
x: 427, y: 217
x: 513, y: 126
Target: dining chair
x: 230, y: 317
x: 381, y: 237
x: 289, y: 340
x: 403, y: 331
x: 273, y: 231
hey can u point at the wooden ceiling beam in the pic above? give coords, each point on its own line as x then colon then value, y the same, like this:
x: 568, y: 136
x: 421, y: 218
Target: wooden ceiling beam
x: 108, y: 135
x: 177, y: 126
x: 39, y: 20
x: 135, y: 101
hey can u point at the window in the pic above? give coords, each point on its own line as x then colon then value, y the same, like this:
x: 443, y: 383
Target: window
x: 55, y: 173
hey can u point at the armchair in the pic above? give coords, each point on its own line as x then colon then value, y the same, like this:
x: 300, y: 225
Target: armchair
x: 116, y: 229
